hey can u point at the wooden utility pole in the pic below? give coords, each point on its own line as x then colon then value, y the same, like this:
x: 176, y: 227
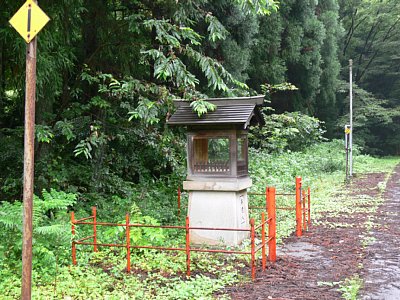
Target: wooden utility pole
x: 28, y: 21
x: 29, y: 147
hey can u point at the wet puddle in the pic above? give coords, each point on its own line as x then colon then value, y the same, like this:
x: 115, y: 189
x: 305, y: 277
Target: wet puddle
x: 305, y: 251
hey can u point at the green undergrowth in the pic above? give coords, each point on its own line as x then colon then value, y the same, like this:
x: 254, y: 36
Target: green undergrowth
x: 161, y: 275
x: 89, y: 282
x: 154, y: 275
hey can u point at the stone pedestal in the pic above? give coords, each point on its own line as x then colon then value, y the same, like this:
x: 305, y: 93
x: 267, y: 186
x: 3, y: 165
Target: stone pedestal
x: 221, y: 203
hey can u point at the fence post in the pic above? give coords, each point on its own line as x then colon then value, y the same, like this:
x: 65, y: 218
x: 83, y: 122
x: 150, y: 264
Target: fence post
x: 94, y: 212
x: 272, y: 224
x: 73, y: 238
x: 298, y: 207
x: 303, y: 199
x: 309, y: 206
x: 263, y: 250
x: 128, y: 244
x: 253, y: 250
x: 179, y: 202
x: 187, y: 248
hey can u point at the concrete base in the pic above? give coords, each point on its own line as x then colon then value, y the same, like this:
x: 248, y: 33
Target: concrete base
x: 220, y: 184
x: 219, y: 205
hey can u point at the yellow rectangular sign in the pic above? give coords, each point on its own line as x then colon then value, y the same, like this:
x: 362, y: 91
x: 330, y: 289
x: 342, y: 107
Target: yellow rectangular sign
x: 29, y: 20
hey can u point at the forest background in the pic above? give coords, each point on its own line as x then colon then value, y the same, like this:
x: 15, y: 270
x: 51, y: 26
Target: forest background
x: 108, y: 71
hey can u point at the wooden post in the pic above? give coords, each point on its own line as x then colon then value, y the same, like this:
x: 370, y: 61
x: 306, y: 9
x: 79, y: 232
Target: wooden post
x: 298, y: 207
x: 272, y: 224
x: 73, y: 238
x: 128, y: 244
x: 28, y: 21
x: 94, y: 212
x: 29, y: 160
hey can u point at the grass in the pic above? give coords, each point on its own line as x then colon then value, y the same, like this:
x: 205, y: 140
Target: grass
x: 367, y: 164
x: 351, y: 287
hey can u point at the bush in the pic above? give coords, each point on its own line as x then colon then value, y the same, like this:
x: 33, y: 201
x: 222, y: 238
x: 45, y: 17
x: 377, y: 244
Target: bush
x: 279, y: 170
x: 288, y: 131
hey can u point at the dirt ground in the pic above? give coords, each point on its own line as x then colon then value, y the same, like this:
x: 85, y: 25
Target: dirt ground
x: 310, y: 267
x: 381, y: 271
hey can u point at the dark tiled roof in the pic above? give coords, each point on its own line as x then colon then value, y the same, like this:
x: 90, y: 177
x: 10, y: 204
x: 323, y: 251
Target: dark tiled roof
x: 224, y: 114
x: 238, y: 111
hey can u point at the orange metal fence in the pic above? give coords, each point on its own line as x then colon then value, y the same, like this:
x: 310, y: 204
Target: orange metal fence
x: 302, y: 200
x: 269, y: 239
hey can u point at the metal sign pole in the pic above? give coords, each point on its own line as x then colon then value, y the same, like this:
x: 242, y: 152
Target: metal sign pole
x: 351, y: 119
x: 29, y: 147
x: 346, y: 145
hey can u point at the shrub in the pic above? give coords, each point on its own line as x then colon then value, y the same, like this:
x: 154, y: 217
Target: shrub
x: 288, y: 131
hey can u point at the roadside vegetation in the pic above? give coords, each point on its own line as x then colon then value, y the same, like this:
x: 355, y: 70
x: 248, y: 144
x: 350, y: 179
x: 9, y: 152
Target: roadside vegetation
x: 108, y: 73
x: 159, y: 275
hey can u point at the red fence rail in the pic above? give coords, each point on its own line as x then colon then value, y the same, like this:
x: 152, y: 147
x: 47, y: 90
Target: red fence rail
x: 269, y: 239
x: 302, y: 206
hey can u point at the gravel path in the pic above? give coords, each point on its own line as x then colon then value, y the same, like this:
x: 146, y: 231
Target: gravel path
x: 382, y: 262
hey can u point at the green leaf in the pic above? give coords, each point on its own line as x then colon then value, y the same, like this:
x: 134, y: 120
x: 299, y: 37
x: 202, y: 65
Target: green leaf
x: 43, y: 133
x: 201, y: 107
x: 215, y: 29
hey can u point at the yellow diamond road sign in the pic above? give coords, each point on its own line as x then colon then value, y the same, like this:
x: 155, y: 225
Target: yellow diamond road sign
x: 29, y: 20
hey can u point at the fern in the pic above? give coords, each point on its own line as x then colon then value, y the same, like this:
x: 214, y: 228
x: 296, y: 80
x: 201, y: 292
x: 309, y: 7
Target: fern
x: 55, y: 200
x: 50, y: 224
x: 54, y: 230
x: 11, y: 215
